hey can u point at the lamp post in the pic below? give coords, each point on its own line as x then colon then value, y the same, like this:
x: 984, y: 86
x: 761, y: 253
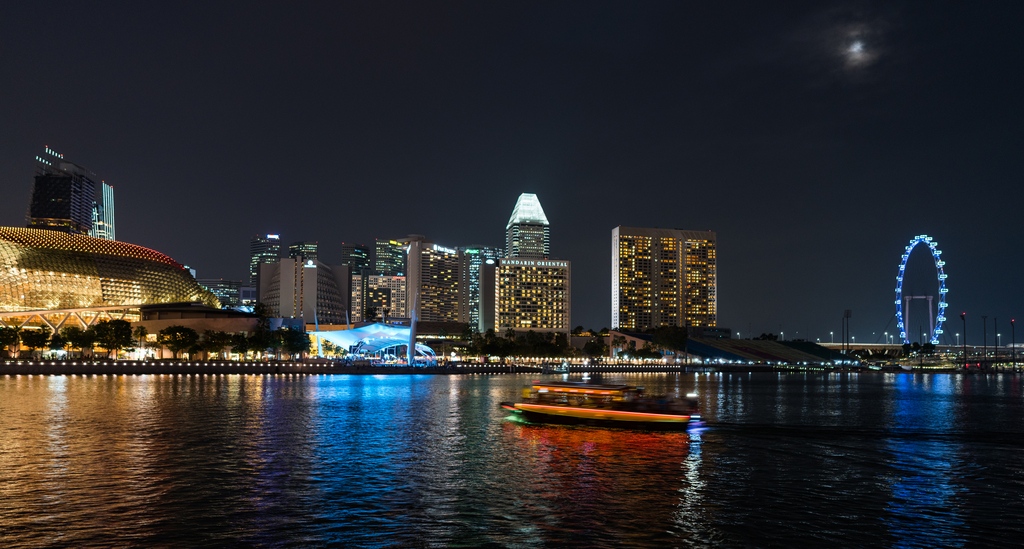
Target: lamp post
x: 833, y: 336
x: 957, y: 340
x: 984, y: 337
x: 963, y: 317
x: 1013, y: 344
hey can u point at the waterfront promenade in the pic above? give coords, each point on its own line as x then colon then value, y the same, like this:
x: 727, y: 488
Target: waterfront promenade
x: 172, y: 367
x: 163, y: 367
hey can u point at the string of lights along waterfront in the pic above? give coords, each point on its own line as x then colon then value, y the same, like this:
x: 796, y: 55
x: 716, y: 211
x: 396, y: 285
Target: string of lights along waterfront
x: 893, y: 460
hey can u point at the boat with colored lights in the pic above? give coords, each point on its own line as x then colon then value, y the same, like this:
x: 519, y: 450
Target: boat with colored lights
x: 626, y: 406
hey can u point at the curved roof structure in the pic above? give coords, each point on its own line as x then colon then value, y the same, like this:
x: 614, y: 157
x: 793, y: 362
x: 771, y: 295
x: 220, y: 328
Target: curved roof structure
x: 527, y: 210
x: 373, y: 338
x: 42, y: 269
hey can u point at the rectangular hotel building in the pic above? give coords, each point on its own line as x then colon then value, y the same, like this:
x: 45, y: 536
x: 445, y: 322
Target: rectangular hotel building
x: 663, y: 277
x: 532, y: 294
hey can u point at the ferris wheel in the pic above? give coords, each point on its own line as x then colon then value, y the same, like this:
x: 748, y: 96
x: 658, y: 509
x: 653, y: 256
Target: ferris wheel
x: 903, y: 302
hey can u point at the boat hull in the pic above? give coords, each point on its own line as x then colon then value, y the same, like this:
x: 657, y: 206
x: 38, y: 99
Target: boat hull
x: 569, y: 415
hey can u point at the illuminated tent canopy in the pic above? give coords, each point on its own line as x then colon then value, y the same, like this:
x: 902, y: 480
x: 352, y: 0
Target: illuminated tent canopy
x: 373, y: 338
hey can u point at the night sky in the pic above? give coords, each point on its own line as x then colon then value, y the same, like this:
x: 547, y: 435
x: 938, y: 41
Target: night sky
x: 816, y: 139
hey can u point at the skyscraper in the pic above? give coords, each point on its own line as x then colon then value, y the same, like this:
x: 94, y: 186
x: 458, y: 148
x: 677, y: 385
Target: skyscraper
x: 527, y: 234
x: 528, y: 294
x: 307, y: 289
x: 471, y: 260
x: 663, y: 277
x: 434, y: 276
x: 228, y: 292
x: 70, y: 198
x: 306, y: 249
x: 389, y: 258
x: 262, y: 250
x: 356, y: 255
x: 387, y: 294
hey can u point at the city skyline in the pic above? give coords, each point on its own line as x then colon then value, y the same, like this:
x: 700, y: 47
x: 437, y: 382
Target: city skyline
x: 815, y: 141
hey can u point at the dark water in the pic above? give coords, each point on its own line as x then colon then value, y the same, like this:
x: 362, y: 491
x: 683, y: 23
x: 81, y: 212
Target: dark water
x: 816, y: 460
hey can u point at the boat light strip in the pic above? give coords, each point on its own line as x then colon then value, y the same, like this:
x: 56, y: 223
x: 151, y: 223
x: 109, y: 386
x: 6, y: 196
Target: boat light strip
x: 599, y: 411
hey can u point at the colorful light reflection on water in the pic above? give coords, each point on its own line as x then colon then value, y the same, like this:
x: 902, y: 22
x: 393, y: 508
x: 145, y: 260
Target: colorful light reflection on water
x: 799, y: 460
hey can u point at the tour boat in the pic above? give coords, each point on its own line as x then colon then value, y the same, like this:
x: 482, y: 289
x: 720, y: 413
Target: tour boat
x: 603, y: 405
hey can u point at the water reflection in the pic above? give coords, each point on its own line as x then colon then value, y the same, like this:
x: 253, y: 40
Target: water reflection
x: 225, y: 460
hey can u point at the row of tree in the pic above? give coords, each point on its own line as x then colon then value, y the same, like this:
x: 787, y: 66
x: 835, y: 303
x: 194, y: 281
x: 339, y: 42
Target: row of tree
x: 531, y: 343
x: 664, y: 339
x: 114, y: 336
x: 182, y: 339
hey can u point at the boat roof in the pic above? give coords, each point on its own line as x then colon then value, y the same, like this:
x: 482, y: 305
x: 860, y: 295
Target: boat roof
x: 578, y: 385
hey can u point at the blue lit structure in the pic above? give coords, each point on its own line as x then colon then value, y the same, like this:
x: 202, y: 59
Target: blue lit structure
x: 379, y: 340
x: 939, y: 263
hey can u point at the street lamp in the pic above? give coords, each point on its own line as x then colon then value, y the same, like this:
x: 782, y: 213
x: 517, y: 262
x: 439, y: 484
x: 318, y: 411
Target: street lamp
x: 833, y: 337
x: 963, y: 317
x: 782, y: 336
x: 1013, y: 343
x: 957, y: 340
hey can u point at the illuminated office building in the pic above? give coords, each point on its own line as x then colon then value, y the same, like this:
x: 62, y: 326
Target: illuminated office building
x: 471, y: 260
x: 67, y: 197
x: 432, y: 280
x: 356, y: 255
x: 389, y: 258
x: 306, y: 250
x: 306, y: 289
x: 357, y: 297
x: 663, y: 277
x: 387, y: 294
x: 47, y: 269
x: 262, y: 250
x: 527, y: 234
x: 531, y: 294
x: 228, y: 292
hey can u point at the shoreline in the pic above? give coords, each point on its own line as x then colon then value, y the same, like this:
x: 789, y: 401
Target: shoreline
x: 130, y: 367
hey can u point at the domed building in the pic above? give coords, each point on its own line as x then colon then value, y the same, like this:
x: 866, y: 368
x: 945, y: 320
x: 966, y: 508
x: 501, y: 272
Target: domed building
x: 45, y: 270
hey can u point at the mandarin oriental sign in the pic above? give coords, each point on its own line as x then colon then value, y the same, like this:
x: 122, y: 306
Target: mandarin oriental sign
x: 534, y: 263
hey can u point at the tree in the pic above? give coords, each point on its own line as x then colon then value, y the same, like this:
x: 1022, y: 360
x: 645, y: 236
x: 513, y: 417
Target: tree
x: 79, y: 339
x: 510, y: 334
x: 214, y: 342
x: 261, y: 338
x: 595, y: 347
x: 618, y: 342
x: 140, y: 333
x: 467, y: 332
x: 295, y: 342
x: 36, y: 339
x: 577, y: 331
x: 561, y: 341
x: 240, y: 344
x: 177, y: 338
x: 113, y: 335
x: 10, y: 338
x: 670, y: 338
x: 73, y: 336
x: 370, y: 313
x: 57, y: 342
